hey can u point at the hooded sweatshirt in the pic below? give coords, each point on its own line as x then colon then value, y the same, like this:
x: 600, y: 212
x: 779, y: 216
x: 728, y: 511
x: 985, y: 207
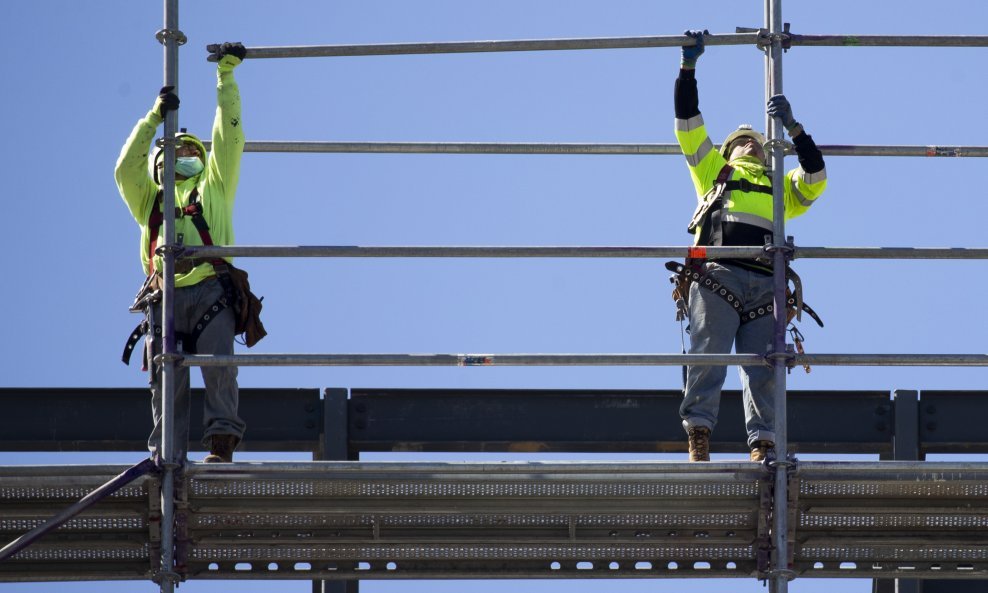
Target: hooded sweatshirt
x: 217, y: 183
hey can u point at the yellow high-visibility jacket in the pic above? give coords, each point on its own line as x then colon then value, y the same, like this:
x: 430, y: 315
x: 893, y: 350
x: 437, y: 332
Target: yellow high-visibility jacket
x: 746, y: 216
x: 217, y: 183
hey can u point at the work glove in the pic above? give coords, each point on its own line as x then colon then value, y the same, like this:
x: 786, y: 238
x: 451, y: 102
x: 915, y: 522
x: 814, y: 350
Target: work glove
x: 167, y: 101
x: 691, y: 53
x: 218, y: 50
x: 778, y: 106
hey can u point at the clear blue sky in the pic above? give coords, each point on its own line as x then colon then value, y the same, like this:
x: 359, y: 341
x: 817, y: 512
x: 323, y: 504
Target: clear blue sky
x: 77, y: 76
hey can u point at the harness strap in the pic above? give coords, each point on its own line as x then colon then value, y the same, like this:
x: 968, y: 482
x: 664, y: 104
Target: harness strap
x: 747, y: 186
x: 157, y: 218
x: 695, y: 273
x: 189, y: 340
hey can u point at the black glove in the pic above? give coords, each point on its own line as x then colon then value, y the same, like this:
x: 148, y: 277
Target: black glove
x: 167, y: 101
x: 692, y: 53
x: 218, y: 50
x: 778, y: 106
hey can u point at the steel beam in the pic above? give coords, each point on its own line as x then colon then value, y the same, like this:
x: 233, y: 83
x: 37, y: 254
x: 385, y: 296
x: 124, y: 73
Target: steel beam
x: 599, y: 421
x: 114, y: 419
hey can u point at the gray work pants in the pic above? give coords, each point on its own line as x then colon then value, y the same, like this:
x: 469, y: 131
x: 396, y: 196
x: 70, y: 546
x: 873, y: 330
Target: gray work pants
x: 714, y: 327
x: 222, y: 397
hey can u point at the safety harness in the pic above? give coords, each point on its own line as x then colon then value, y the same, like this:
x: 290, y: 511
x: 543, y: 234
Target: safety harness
x: 151, y: 290
x: 708, y: 218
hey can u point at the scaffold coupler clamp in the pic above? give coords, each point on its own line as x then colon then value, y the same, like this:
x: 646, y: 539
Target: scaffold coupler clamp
x: 166, y: 575
x: 164, y: 35
x: 176, y: 250
x: 766, y: 38
x: 786, y: 146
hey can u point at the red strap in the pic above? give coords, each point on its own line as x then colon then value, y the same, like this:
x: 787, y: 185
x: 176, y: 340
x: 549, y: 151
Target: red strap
x: 157, y: 218
x: 154, y: 223
x: 725, y: 174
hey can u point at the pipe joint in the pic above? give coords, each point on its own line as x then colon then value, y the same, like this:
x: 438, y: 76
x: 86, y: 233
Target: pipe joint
x: 766, y: 39
x: 789, y: 574
x: 173, y: 34
x: 172, y: 357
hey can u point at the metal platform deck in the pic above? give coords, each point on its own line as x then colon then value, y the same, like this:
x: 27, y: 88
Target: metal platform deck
x: 353, y: 520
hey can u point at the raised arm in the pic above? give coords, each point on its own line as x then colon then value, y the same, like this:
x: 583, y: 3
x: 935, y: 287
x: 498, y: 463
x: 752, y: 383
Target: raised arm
x: 223, y: 165
x: 805, y: 183
x: 703, y: 160
x: 131, y: 173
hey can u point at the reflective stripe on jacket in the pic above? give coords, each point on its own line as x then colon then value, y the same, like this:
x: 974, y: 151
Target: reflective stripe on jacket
x: 704, y: 160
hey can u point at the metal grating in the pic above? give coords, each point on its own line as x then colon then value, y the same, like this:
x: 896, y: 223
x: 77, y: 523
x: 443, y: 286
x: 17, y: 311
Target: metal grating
x: 345, y: 520
x: 488, y: 489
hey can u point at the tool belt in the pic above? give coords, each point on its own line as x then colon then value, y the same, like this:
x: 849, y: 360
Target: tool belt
x: 237, y: 295
x: 692, y: 272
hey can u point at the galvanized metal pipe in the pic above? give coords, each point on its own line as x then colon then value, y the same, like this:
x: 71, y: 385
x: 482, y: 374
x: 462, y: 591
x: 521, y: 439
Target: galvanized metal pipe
x: 578, y: 252
x: 572, y: 148
x: 459, y: 47
x: 891, y: 253
x: 889, y: 40
x: 461, y: 360
x: 168, y: 375
x: 479, y: 251
x: 780, y: 511
x: 936, y: 360
x: 354, y: 360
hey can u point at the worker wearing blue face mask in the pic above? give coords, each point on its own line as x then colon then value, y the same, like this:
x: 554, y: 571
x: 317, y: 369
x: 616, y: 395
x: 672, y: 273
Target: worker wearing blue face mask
x: 205, y: 186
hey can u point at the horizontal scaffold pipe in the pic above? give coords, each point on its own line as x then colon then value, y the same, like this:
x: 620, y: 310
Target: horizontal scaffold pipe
x: 480, y: 251
x: 581, y: 252
x: 890, y: 40
x: 460, y: 360
x: 459, y: 47
x: 890, y: 253
x: 462, y: 47
x: 583, y: 148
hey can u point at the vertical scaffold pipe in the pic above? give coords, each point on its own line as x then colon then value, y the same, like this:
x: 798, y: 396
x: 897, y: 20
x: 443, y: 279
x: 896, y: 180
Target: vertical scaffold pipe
x: 170, y: 38
x: 773, y: 57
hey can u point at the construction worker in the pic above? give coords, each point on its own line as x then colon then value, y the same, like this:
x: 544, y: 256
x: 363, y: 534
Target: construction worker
x: 205, y: 187
x: 728, y: 299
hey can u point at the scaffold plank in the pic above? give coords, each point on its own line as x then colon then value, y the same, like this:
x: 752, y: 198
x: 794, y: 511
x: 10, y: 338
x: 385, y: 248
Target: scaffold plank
x: 417, y: 520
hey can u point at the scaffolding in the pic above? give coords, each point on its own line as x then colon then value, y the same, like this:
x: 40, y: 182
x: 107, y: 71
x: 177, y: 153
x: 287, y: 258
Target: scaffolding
x: 199, y: 516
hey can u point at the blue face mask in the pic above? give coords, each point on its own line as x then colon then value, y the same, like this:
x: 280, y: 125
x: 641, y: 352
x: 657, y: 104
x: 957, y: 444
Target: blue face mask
x: 188, y: 166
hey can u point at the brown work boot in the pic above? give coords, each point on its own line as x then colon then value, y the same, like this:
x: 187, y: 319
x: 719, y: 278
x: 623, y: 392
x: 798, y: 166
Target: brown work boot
x: 699, y: 442
x: 762, y: 450
x: 221, y: 448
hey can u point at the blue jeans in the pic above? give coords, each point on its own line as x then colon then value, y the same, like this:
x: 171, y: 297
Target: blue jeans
x: 714, y: 328
x: 222, y: 394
